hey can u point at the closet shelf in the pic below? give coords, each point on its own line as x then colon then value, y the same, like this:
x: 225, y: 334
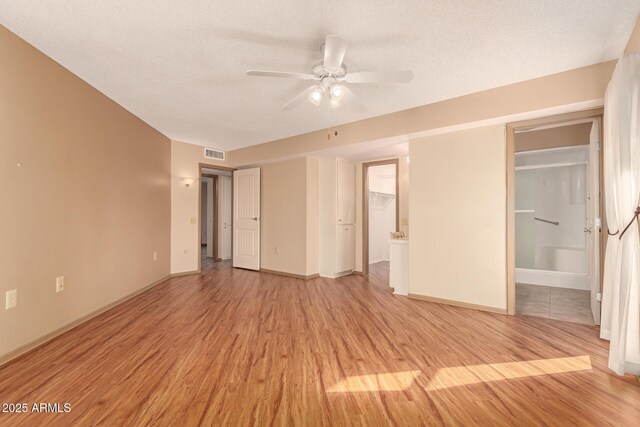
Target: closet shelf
x: 378, y: 200
x: 377, y: 193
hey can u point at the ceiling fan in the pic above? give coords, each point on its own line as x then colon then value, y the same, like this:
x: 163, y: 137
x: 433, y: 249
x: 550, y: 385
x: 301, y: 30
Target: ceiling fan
x: 330, y: 78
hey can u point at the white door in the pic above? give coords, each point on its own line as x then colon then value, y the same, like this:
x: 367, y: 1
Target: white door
x: 246, y: 218
x: 226, y: 217
x: 592, y: 228
x: 346, y: 183
x: 345, y: 252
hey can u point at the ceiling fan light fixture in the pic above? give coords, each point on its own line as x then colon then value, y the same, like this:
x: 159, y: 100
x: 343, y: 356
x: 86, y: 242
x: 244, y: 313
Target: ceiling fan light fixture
x: 335, y: 103
x: 315, y: 97
x: 337, y: 92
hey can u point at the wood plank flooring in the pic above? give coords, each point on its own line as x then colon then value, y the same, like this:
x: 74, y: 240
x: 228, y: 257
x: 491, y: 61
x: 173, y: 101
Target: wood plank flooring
x: 206, y: 262
x: 235, y: 347
x: 379, y: 273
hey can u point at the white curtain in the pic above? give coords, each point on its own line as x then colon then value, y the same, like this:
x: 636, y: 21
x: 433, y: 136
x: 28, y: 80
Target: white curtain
x: 621, y: 287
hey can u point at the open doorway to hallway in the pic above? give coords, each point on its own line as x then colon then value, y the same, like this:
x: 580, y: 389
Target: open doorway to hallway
x: 215, y: 217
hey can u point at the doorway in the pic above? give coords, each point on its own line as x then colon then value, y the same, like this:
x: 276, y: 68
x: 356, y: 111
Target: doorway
x: 215, y: 216
x: 208, y: 236
x: 555, y: 223
x: 380, y: 213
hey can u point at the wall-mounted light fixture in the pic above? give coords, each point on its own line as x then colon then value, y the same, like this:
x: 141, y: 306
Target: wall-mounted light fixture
x: 187, y: 181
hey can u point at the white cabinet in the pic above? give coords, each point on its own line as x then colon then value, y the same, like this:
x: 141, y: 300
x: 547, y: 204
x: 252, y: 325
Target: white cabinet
x: 346, y: 190
x: 345, y: 253
x: 337, y: 217
x: 399, y: 266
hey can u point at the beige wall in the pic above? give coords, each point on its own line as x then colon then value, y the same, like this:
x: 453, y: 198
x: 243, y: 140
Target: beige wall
x: 403, y: 181
x: 563, y: 136
x: 185, y: 160
x: 313, y: 216
x: 458, y: 247
x: 90, y: 201
x: 284, y: 216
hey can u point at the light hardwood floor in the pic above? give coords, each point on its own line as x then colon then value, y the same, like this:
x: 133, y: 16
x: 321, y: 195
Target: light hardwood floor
x: 379, y: 273
x: 206, y: 262
x: 235, y: 347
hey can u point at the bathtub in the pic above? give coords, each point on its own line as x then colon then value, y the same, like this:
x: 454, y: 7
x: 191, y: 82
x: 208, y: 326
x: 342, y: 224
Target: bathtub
x: 561, y: 267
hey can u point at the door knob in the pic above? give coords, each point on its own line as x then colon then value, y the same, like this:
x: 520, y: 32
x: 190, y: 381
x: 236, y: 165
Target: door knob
x: 255, y: 218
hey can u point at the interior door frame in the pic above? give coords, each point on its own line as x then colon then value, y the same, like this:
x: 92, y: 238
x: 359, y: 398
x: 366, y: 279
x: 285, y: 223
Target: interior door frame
x: 511, y: 129
x: 215, y: 214
x: 365, y: 205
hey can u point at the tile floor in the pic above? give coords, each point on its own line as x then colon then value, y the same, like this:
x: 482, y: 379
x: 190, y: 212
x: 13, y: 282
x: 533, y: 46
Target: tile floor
x: 569, y: 305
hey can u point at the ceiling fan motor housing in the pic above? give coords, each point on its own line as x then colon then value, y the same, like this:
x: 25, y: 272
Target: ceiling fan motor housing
x: 321, y: 72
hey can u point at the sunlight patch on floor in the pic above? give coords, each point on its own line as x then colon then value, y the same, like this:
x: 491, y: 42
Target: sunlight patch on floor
x: 389, y: 381
x: 474, y: 374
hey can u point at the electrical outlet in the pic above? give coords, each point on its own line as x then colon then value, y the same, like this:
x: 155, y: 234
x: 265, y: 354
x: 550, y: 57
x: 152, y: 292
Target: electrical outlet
x: 155, y: 256
x: 11, y: 299
x: 404, y: 221
x: 193, y: 220
x: 59, y: 284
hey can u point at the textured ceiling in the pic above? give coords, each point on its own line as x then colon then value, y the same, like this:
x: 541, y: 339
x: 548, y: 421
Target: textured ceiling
x: 179, y: 65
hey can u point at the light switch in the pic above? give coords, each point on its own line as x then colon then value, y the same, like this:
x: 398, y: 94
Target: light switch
x: 59, y: 284
x: 11, y: 299
x: 155, y: 256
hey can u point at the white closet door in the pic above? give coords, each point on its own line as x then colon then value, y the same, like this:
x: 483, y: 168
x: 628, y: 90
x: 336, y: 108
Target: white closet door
x: 246, y: 218
x: 346, y: 183
x: 345, y: 252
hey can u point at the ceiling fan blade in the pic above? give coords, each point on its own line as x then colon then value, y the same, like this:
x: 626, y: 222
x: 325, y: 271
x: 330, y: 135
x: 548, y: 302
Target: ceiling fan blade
x: 261, y: 73
x: 352, y: 100
x: 380, y: 77
x: 334, y: 49
x: 300, y: 98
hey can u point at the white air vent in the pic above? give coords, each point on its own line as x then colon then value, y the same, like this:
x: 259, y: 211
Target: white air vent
x: 210, y: 153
